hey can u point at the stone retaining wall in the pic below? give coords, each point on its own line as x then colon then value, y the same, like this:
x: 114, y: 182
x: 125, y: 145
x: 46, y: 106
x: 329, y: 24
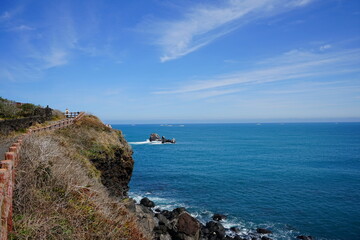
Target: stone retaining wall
x: 10, y: 125
x: 7, y: 174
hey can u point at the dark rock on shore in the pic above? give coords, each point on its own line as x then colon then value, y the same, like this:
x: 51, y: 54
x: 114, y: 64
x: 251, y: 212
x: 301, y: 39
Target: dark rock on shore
x: 167, y: 214
x: 178, y: 224
x: 263, y: 231
x: 178, y: 211
x: 219, y: 217
x: 164, y: 221
x: 161, y: 229
x: 235, y: 229
x: 173, y: 214
x: 213, y: 230
x: 147, y: 202
x: 304, y: 237
x: 265, y: 238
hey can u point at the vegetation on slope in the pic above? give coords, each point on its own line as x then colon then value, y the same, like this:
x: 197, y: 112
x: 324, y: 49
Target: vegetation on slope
x: 59, y: 192
x: 12, y: 110
x: 9, y: 109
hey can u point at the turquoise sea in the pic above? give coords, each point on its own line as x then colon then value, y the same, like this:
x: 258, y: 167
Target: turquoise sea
x: 295, y: 179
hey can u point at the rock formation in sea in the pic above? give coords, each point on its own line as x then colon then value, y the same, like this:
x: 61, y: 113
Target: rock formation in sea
x: 154, y: 137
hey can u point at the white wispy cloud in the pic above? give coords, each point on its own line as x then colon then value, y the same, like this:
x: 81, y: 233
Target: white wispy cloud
x: 5, y: 15
x: 53, y: 38
x: 38, y: 46
x: 291, y: 65
x: 202, y: 24
x: 11, y: 13
x: 213, y: 93
x: 6, y: 74
x: 112, y: 92
x: 302, y: 2
x: 57, y: 57
x: 22, y: 27
x: 15, y: 71
x: 325, y: 47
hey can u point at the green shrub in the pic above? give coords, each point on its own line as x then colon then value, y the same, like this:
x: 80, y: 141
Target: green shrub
x: 28, y: 110
x: 8, y: 109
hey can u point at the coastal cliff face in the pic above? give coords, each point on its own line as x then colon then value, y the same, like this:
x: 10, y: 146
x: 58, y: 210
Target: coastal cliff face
x: 72, y: 183
x: 106, y: 149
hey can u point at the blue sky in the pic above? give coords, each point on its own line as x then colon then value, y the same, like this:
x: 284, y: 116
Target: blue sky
x: 185, y: 61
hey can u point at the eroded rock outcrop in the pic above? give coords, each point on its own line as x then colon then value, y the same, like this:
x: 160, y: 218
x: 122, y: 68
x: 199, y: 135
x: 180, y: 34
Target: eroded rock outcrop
x: 154, y: 137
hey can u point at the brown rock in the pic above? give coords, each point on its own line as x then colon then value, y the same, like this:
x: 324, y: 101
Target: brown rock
x: 188, y: 225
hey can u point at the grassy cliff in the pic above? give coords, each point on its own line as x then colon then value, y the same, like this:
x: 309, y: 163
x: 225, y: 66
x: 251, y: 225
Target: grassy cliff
x: 72, y: 184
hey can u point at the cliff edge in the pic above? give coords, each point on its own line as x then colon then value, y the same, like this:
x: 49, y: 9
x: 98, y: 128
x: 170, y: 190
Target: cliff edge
x: 72, y: 183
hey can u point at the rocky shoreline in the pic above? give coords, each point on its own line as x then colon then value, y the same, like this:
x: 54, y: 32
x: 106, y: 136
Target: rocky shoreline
x: 178, y: 224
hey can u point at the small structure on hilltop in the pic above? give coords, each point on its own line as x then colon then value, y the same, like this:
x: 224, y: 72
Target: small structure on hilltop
x: 69, y: 114
x: 154, y: 137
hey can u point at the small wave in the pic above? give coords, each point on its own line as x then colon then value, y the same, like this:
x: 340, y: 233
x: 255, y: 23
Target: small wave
x: 145, y: 142
x: 160, y: 202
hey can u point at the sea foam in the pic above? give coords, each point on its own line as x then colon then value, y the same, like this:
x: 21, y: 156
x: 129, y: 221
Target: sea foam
x: 145, y: 142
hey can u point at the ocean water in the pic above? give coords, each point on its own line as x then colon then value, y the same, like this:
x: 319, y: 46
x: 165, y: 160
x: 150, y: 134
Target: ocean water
x: 295, y: 179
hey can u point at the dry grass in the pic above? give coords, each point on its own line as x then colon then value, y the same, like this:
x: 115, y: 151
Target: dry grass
x: 91, y: 140
x: 58, y: 194
x: 57, y: 115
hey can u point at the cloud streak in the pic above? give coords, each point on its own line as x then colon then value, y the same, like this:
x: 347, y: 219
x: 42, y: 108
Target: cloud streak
x: 202, y: 24
x: 293, y: 65
x: 22, y: 28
